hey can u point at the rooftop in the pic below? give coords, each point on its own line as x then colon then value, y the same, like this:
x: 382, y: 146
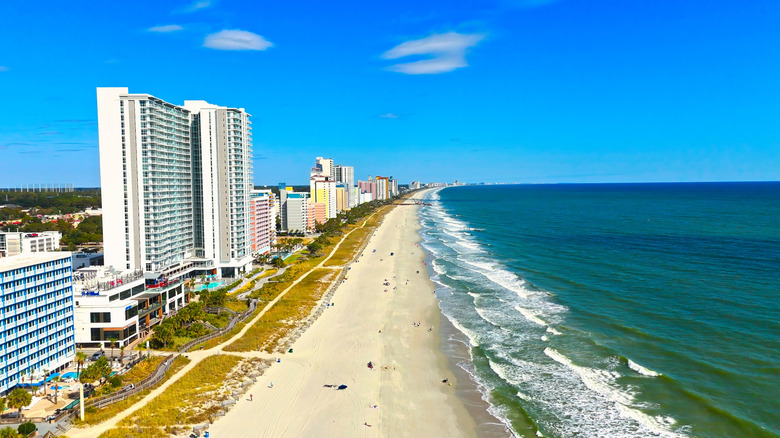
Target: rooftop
x: 33, y: 258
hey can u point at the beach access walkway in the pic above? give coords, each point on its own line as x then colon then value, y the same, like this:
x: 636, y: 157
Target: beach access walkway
x: 197, y: 356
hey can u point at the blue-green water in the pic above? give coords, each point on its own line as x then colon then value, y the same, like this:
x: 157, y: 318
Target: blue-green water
x: 620, y: 310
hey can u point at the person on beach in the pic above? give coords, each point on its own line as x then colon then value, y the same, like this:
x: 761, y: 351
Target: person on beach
x: 251, y: 397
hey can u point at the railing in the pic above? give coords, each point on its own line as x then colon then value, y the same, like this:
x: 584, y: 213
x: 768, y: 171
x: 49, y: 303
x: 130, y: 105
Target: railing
x: 232, y: 323
x: 152, y: 380
x: 160, y: 371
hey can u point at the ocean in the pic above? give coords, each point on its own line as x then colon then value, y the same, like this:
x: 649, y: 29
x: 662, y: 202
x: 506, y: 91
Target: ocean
x: 614, y: 310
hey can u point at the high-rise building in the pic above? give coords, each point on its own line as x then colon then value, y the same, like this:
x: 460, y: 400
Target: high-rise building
x: 175, y: 183
x: 326, y: 168
x: 382, y: 187
x: 323, y: 189
x: 222, y: 163
x: 264, y: 219
x: 346, y: 176
x: 297, y: 212
x: 37, y: 294
x: 146, y: 180
x: 367, y: 187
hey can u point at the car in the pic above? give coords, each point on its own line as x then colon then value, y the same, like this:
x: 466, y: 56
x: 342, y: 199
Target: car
x: 96, y: 355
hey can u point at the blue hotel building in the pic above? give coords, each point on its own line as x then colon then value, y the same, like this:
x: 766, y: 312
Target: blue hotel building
x: 36, y: 317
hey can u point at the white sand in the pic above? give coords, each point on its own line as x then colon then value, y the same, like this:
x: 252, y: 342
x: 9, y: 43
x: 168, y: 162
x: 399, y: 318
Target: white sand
x: 411, y: 400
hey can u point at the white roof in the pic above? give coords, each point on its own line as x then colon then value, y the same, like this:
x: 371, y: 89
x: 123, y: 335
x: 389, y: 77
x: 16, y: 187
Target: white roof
x: 32, y: 258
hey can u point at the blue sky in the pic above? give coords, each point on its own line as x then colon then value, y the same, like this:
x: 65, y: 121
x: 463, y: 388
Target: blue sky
x: 496, y: 90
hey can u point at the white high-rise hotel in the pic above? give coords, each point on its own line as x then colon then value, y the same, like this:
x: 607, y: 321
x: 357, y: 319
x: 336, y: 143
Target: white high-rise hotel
x: 175, y: 182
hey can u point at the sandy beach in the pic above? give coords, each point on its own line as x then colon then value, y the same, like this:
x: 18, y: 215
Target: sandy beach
x: 403, y: 395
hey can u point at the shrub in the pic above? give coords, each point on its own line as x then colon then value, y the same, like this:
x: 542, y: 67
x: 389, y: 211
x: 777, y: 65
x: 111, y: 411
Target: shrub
x: 115, y: 381
x: 26, y: 428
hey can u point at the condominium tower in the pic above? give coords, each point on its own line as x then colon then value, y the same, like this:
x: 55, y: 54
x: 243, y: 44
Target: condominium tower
x: 175, y: 183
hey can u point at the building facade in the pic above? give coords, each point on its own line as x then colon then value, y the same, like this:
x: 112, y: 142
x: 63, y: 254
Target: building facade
x: 222, y: 156
x: 264, y: 221
x: 37, y: 316
x: 297, y: 212
x: 24, y: 243
x: 175, y: 182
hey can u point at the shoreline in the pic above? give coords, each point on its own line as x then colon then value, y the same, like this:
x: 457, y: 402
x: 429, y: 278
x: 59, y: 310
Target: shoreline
x: 403, y: 395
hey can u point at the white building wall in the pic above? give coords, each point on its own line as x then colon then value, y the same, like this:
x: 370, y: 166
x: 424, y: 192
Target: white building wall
x: 37, y: 330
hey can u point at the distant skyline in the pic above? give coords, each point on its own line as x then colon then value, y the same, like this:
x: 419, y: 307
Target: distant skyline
x: 527, y: 91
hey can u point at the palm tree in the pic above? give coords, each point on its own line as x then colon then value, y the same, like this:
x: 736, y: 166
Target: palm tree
x: 56, y: 381
x: 122, y: 355
x: 81, y: 357
x: 112, y: 342
x: 17, y: 399
x: 45, y: 375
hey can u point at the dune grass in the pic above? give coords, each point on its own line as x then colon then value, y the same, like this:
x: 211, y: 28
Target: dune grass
x: 349, y: 247
x: 285, y: 315
x: 182, y: 401
x: 94, y: 416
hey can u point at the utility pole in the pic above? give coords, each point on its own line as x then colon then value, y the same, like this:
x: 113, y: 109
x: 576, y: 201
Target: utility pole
x: 81, y: 402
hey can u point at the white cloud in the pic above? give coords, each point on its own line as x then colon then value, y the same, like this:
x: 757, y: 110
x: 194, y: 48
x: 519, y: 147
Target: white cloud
x: 3, y: 68
x: 198, y: 5
x: 389, y: 116
x: 236, y: 40
x: 166, y: 28
x: 447, y: 52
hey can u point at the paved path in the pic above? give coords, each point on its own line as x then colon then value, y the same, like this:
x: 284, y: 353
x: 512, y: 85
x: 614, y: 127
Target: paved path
x: 197, y: 356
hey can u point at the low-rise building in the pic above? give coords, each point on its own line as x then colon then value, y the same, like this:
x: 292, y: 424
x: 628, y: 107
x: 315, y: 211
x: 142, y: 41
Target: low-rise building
x: 14, y: 243
x: 36, y: 329
x: 87, y: 259
x: 123, y: 306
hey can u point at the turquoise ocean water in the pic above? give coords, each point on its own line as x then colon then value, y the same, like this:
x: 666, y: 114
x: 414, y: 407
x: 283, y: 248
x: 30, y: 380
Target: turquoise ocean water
x: 616, y: 310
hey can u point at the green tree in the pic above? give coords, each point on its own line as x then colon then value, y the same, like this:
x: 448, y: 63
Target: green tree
x: 56, y: 381
x: 163, y: 334
x: 122, y: 355
x: 81, y: 357
x: 314, y: 247
x: 7, y: 432
x: 45, y: 375
x: 17, y: 399
x: 99, y: 370
x: 112, y: 343
x: 277, y: 262
x: 25, y: 429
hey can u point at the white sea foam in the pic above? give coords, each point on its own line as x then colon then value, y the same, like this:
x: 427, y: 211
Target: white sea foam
x: 468, y: 333
x: 486, y: 266
x: 658, y: 425
x: 509, y: 281
x: 601, y: 381
x: 545, y: 338
x: 553, y: 331
x: 467, y: 244
x: 642, y: 370
x: 531, y: 316
x: 525, y: 397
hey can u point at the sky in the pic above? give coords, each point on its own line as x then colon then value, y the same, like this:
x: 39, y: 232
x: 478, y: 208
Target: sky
x: 526, y: 91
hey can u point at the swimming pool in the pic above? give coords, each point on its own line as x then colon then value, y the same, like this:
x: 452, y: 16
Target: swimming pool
x: 212, y: 285
x: 70, y: 375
